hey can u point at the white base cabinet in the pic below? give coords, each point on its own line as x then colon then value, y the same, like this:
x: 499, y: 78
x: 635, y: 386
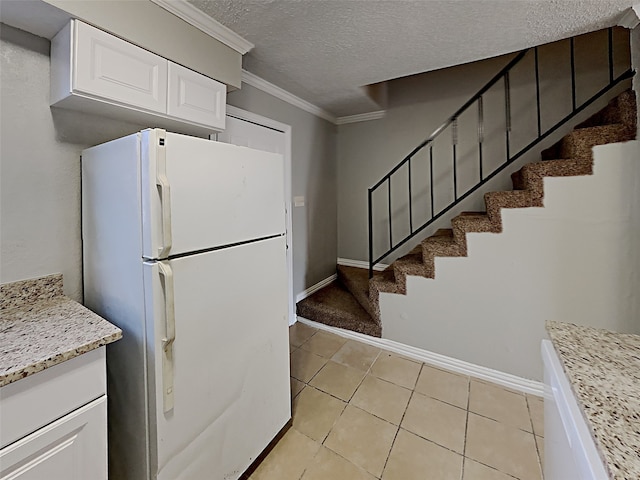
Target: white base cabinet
x: 71, y: 448
x: 53, y: 424
x: 96, y: 72
x: 569, y: 450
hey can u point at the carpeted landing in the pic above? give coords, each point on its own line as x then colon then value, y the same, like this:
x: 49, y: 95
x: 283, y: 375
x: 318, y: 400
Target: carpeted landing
x: 335, y: 306
x: 352, y: 302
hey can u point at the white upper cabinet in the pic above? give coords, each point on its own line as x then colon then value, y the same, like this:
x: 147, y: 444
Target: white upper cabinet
x: 96, y: 72
x: 111, y: 68
x: 195, y: 97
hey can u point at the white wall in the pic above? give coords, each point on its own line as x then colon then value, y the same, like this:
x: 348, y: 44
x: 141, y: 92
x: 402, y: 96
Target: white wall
x: 40, y: 167
x: 575, y: 260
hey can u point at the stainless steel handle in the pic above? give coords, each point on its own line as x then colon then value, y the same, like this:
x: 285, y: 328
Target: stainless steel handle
x: 164, y: 191
x: 170, y: 335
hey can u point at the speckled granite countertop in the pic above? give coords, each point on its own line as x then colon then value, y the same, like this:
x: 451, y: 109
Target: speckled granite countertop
x: 603, y: 368
x: 40, y: 327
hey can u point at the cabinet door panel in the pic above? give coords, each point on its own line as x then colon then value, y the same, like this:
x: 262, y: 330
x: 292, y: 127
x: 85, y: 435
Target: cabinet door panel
x: 113, y: 69
x: 195, y: 97
x: 71, y: 448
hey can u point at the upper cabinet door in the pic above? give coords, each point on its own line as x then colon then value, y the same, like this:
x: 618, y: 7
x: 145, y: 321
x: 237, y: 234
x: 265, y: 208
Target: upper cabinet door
x: 195, y: 97
x: 110, y: 68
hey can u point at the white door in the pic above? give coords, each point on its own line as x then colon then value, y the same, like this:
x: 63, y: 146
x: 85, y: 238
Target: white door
x: 228, y: 383
x: 250, y: 130
x: 198, y: 194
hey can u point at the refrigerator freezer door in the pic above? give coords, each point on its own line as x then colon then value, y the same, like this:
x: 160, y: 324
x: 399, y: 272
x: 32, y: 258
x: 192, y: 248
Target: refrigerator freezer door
x: 198, y: 194
x: 230, y: 360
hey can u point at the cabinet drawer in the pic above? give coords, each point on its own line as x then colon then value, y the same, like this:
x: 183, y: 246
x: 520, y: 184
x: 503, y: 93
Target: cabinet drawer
x: 195, y: 97
x: 110, y: 68
x: 72, y: 448
x: 37, y: 400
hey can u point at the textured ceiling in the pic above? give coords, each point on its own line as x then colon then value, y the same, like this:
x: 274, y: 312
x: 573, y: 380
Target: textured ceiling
x: 324, y: 50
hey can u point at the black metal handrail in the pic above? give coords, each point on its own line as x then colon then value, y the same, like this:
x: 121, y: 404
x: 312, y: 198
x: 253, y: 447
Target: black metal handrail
x: 452, y: 121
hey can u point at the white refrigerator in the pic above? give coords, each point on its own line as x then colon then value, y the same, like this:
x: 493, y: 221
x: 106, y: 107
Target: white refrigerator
x: 185, y: 250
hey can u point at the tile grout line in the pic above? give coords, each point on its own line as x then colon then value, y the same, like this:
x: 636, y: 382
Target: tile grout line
x: 466, y: 428
x: 535, y: 441
x: 400, y: 423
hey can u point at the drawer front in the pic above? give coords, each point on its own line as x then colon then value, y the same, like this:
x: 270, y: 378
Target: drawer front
x: 37, y: 400
x: 72, y: 448
x: 196, y: 98
x: 115, y: 70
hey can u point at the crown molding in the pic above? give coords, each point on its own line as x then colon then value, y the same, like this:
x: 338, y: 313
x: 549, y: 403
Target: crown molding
x: 361, y: 117
x: 267, y: 87
x: 203, y: 22
x: 631, y: 18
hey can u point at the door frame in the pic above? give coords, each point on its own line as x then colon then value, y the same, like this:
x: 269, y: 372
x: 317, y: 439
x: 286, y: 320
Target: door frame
x: 247, y: 116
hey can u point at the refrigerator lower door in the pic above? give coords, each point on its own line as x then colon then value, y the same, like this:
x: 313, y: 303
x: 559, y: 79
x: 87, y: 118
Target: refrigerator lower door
x: 227, y: 345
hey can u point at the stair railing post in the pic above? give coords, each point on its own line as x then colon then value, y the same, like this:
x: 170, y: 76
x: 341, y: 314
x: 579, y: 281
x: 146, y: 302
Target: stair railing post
x: 573, y: 74
x: 480, y: 134
x: 537, y: 68
x: 454, y: 142
x: 410, y: 198
x: 369, y: 202
x: 507, y: 108
x: 610, y: 38
x: 390, y: 217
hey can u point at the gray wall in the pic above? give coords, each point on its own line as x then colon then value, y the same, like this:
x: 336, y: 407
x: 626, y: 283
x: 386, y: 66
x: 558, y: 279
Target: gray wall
x: 313, y: 176
x: 40, y: 167
x: 419, y: 104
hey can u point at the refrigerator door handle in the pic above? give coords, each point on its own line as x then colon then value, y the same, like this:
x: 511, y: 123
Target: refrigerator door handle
x: 164, y: 191
x: 170, y: 335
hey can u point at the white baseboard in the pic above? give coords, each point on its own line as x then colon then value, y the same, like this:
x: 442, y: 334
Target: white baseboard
x: 507, y: 380
x: 360, y: 264
x: 314, y: 288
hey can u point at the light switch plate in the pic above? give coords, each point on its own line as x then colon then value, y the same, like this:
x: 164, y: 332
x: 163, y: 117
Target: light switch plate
x: 298, y: 201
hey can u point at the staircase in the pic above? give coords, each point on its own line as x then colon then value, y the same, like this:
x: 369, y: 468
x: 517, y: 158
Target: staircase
x: 352, y: 302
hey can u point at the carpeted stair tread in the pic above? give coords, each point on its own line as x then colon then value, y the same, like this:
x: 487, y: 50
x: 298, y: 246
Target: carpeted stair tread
x: 356, y: 281
x: 532, y: 175
x: 333, y: 305
x: 496, y: 201
x: 477, y: 222
x: 579, y: 144
x: 619, y: 110
x: 553, y: 152
x: 411, y: 264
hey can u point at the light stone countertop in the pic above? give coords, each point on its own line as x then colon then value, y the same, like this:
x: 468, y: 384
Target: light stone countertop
x: 603, y: 369
x: 40, y: 327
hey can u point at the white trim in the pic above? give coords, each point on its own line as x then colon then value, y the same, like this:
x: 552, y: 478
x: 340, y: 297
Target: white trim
x: 267, y: 87
x: 203, y: 22
x: 378, y: 267
x: 314, y: 288
x: 441, y: 361
x: 286, y: 130
x: 361, y: 117
x: 631, y: 18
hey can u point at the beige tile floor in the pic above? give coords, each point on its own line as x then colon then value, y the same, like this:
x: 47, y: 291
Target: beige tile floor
x: 361, y: 413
